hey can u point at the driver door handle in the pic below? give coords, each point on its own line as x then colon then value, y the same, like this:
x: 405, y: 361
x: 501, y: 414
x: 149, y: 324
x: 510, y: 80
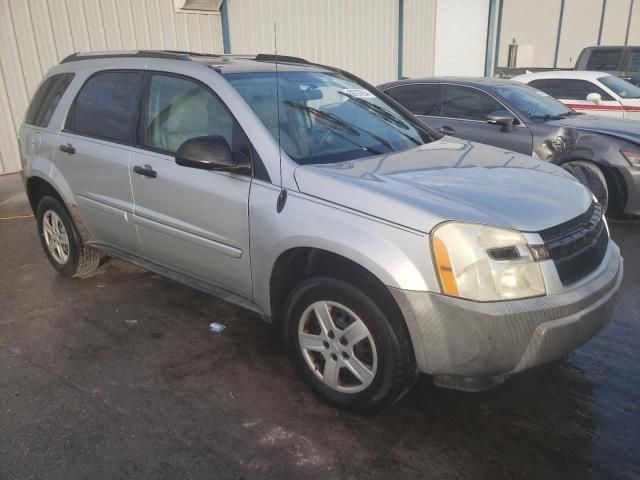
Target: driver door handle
x: 68, y: 148
x: 145, y: 171
x: 446, y: 130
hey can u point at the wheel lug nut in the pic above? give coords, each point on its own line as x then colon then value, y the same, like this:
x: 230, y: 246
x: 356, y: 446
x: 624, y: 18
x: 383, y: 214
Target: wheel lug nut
x: 331, y: 334
x: 345, y: 355
x: 334, y: 357
x: 343, y: 341
x: 325, y: 344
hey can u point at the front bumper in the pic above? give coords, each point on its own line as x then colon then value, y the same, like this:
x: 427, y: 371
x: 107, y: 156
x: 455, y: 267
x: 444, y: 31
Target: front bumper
x: 460, y: 338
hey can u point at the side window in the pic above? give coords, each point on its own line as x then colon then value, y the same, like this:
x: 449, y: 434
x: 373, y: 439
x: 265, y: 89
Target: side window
x: 604, y: 59
x: 467, y: 103
x: 571, y: 89
x: 179, y: 109
x: 107, y: 106
x: 539, y: 84
x: 419, y: 99
x: 46, y: 99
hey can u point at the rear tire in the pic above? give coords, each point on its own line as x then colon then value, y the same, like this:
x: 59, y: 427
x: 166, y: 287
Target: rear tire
x: 591, y: 177
x: 345, y: 347
x: 61, y: 242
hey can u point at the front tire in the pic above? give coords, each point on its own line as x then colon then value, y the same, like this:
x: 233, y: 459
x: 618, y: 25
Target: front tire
x: 346, y: 347
x: 61, y: 242
x: 591, y: 177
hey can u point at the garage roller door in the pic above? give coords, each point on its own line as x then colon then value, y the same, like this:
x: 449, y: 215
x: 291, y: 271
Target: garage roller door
x: 461, y: 37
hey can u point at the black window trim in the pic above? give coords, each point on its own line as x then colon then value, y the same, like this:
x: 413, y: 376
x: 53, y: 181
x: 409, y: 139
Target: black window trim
x: 518, y: 123
x: 142, y: 118
x: 71, y: 111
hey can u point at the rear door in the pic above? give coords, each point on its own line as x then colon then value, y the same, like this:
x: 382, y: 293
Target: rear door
x: 574, y: 92
x: 421, y: 99
x: 92, y: 153
x: 463, y: 114
x: 192, y: 221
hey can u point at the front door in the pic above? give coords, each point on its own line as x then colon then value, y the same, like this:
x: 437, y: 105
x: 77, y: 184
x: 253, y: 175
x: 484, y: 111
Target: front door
x: 190, y: 220
x: 463, y: 114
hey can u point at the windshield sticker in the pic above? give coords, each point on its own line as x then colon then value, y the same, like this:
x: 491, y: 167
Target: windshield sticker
x: 357, y: 92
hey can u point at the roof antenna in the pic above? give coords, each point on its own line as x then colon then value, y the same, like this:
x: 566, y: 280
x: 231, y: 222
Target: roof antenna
x: 282, y: 198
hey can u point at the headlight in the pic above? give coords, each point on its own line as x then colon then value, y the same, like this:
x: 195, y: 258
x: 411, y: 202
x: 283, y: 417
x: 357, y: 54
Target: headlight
x: 484, y: 263
x: 632, y: 156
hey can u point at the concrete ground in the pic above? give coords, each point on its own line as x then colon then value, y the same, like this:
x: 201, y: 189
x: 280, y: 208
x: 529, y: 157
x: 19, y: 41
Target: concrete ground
x: 118, y: 376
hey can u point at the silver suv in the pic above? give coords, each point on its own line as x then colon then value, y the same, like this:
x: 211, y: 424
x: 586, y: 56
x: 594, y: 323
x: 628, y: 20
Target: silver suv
x: 378, y: 248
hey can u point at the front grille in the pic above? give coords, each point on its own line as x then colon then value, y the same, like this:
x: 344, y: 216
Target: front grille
x: 578, y: 246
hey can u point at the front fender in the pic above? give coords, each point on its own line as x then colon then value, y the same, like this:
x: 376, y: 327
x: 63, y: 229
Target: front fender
x: 398, y: 257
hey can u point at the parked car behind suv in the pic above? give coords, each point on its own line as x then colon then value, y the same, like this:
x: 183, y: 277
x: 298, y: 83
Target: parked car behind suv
x: 621, y: 61
x: 588, y: 92
x: 602, y: 153
x: 377, y: 248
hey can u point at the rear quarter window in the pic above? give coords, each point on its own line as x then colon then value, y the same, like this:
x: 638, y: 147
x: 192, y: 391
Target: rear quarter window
x: 46, y: 99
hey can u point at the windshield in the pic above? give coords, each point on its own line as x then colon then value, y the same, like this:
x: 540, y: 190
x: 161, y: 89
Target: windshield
x: 536, y: 104
x: 621, y: 87
x: 326, y: 117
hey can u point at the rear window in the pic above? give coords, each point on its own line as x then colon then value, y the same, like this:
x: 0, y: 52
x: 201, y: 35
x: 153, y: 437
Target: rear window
x: 46, y: 99
x: 419, y: 99
x: 604, y: 59
x: 106, y: 106
x: 634, y: 61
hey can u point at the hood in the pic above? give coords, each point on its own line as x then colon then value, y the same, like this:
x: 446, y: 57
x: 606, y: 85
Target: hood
x: 450, y: 179
x: 617, y: 127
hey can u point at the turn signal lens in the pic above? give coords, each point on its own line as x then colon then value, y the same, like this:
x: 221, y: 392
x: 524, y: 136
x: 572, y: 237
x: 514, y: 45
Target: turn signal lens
x: 445, y: 271
x: 632, y: 156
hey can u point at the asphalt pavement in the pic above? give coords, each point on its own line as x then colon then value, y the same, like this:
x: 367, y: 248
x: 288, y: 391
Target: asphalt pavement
x: 118, y: 376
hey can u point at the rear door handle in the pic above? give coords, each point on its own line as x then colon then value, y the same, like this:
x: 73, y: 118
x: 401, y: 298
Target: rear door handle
x: 446, y: 130
x: 146, y: 171
x: 68, y: 148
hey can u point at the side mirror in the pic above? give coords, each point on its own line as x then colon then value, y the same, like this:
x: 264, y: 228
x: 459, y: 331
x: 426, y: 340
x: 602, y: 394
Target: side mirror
x: 595, y: 98
x: 502, y: 118
x: 209, y: 153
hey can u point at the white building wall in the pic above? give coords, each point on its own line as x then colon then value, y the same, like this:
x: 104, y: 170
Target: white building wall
x: 614, y: 27
x: 419, y: 38
x: 579, y: 29
x: 461, y: 37
x: 634, y: 30
x: 360, y: 36
x: 37, y: 34
x: 530, y: 23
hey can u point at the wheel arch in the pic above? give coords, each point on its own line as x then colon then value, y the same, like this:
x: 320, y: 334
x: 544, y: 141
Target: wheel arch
x: 38, y: 186
x: 297, y: 264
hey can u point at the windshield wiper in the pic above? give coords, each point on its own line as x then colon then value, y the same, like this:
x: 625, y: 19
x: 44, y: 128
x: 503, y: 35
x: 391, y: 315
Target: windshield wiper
x: 382, y: 113
x: 342, y: 125
x: 377, y: 110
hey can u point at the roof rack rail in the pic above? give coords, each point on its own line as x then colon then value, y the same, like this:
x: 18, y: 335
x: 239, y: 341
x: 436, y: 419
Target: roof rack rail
x: 168, y: 54
x: 268, y: 57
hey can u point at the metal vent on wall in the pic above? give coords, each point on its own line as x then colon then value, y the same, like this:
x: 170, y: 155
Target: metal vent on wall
x: 197, y: 6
